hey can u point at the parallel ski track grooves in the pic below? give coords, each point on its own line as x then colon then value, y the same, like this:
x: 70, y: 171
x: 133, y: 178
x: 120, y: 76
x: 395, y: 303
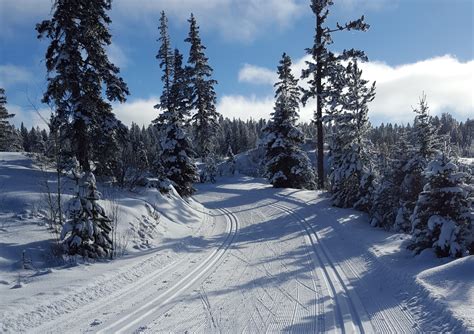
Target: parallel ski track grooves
x: 323, y: 257
x: 148, y: 277
x: 132, y: 319
x: 388, y: 321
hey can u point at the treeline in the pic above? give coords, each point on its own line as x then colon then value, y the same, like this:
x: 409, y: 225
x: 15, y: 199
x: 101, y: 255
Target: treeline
x: 405, y: 176
x: 243, y: 135
x: 459, y: 136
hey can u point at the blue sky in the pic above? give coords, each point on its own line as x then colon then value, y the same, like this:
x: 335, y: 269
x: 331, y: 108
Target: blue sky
x: 413, y: 45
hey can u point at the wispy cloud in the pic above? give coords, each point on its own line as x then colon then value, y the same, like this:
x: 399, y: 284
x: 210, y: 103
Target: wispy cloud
x: 447, y: 82
x: 139, y: 111
x: 257, y: 75
x: 242, y: 20
x: 117, y: 55
x: 29, y: 116
x: 11, y: 75
x: 364, y: 5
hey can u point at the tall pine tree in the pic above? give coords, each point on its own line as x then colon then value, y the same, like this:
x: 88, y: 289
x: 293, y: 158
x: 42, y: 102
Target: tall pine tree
x: 79, y: 72
x: 319, y: 69
x: 287, y: 165
x: 203, y: 96
x: 7, y: 132
x: 351, y: 173
x: 165, y: 57
x: 176, y: 147
x: 426, y: 142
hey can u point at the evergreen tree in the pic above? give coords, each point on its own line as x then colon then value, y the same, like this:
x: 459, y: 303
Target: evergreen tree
x: 87, y: 231
x: 231, y: 160
x: 386, y: 203
x: 209, y: 172
x: 79, y: 73
x: 24, y: 137
x: 443, y: 215
x: 7, y: 132
x: 425, y: 139
x: 286, y: 164
x: 350, y: 150
x: 319, y: 69
x: 203, y: 96
x: 176, y: 147
x: 165, y: 56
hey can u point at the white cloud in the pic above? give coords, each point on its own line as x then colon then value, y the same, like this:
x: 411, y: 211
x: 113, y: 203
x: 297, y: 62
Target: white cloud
x: 12, y: 74
x: 242, y: 20
x: 363, y: 5
x: 257, y: 75
x: 139, y: 111
x: 29, y: 116
x: 446, y: 81
x: 117, y: 55
x: 244, y: 107
x: 254, y: 107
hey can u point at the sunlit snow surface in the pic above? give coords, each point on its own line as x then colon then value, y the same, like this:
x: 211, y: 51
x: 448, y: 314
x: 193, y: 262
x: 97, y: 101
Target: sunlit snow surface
x: 252, y: 259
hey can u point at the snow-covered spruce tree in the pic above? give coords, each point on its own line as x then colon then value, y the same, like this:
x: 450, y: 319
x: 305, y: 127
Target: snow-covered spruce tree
x: 209, y: 172
x: 165, y: 57
x: 8, y: 135
x: 286, y: 164
x: 177, y: 153
x: 231, y: 160
x: 426, y: 141
x: 203, y: 96
x: 351, y: 173
x: 443, y: 216
x: 319, y: 69
x: 386, y: 200
x: 79, y: 73
x: 87, y: 230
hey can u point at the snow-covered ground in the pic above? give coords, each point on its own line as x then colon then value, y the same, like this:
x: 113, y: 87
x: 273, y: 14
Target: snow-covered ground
x: 251, y: 259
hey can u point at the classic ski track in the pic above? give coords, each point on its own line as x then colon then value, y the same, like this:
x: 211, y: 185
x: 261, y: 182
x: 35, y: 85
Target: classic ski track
x: 45, y: 316
x: 390, y: 320
x: 191, y: 278
x: 221, y: 302
x: 318, y: 307
x: 358, y: 322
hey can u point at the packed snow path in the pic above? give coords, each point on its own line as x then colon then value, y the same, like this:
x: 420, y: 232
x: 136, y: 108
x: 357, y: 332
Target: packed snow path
x: 264, y: 260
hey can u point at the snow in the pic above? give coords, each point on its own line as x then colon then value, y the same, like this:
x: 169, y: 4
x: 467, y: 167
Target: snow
x: 452, y: 284
x: 250, y: 258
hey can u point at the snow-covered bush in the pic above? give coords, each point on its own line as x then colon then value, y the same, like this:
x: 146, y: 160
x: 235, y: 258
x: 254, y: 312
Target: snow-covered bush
x: 210, y: 171
x: 231, y: 160
x: 426, y: 140
x: 443, y: 215
x: 87, y: 230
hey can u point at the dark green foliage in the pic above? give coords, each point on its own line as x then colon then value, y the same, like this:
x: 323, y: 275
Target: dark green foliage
x: 8, y: 135
x: 286, y: 164
x: 443, y: 215
x: 87, y: 231
x: 177, y: 151
x: 203, y: 96
x: 320, y: 69
x: 79, y: 73
x: 351, y: 173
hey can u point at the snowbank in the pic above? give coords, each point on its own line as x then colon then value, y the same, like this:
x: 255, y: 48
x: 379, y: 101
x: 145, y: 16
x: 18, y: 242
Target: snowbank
x: 151, y: 228
x: 453, y: 285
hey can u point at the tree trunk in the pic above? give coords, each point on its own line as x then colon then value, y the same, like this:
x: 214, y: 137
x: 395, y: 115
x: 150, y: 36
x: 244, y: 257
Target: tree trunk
x: 319, y: 106
x: 82, y: 145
